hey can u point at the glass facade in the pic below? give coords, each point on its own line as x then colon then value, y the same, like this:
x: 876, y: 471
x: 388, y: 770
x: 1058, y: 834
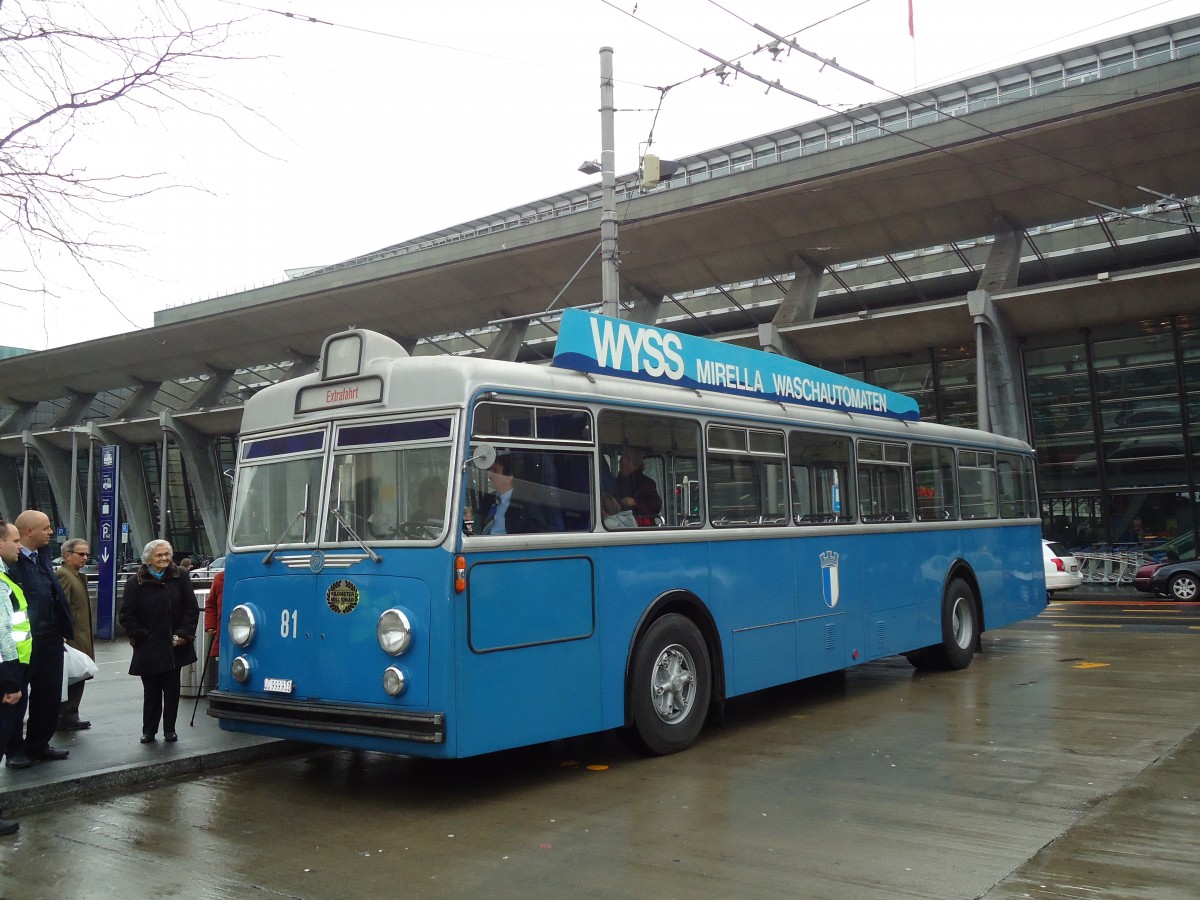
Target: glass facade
x: 1115, y: 421
x: 1112, y: 422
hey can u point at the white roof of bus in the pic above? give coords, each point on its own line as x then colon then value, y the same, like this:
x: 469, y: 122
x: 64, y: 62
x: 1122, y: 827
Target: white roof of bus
x: 441, y: 382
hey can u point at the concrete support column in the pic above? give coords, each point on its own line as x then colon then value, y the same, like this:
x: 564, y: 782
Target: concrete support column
x: 507, y: 344
x: 772, y: 340
x: 63, y: 483
x: 19, y: 419
x: 10, y: 487
x: 194, y: 448
x: 998, y: 370
x: 213, y: 390
x: 303, y: 364
x: 1004, y: 261
x: 73, y: 411
x: 799, y: 304
x: 138, y: 404
x: 645, y: 306
x: 997, y: 360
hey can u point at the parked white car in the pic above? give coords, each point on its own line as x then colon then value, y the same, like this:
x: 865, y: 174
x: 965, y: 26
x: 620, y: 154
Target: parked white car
x: 1062, y: 568
x: 209, y: 572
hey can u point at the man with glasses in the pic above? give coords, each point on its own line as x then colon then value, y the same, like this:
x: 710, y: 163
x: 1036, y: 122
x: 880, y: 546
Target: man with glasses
x: 75, y: 553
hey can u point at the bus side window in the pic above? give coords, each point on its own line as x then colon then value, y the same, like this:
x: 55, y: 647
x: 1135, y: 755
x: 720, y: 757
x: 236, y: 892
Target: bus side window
x: 550, y: 451
x: 884, y: 482
x: 934, y: 483
x: 977, y: 481
x: 746, y: 482
x: 668, y: 448
x: 821, y: 484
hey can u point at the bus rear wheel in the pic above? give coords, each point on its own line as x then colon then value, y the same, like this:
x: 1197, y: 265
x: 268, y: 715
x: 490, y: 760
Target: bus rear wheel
x: 670, y: 684
x: 960, y: 631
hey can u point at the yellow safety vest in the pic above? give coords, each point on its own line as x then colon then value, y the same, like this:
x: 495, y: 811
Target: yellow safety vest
x: 20, y: 621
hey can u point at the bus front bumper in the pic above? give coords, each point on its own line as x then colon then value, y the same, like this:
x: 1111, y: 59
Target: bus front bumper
x: 425, y: 728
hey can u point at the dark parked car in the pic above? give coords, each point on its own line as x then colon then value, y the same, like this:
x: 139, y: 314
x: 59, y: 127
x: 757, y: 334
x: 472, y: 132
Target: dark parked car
x: 1177, y: 580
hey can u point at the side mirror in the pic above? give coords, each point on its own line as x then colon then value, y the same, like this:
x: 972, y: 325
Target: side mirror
x: 483, y: 456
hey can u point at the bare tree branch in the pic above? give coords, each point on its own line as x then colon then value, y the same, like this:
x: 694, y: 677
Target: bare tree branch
x: 63, y: 72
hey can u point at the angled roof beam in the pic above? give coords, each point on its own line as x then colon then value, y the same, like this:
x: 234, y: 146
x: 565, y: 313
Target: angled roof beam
x: 73, y: 411
x: 138, y: 404
x: 799, y: 301
x: 212, y: 392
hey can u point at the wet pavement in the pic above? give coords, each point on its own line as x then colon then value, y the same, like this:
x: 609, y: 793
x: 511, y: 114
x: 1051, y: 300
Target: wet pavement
x: 108, y: 755
x: 1061, y: 764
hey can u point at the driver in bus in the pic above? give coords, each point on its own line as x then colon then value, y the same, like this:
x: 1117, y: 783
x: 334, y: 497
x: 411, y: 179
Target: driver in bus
x: 504, y: 511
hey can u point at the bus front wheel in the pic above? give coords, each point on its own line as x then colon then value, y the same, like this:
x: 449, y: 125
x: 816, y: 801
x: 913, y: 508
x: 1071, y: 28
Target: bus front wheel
x: 960, y: 631
x: 670, y: 685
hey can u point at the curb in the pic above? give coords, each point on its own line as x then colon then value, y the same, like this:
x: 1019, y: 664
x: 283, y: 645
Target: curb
x: 25, y: 799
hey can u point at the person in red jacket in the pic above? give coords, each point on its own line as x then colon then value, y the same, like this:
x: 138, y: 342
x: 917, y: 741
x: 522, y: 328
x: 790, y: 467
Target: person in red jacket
x: 212, y: 614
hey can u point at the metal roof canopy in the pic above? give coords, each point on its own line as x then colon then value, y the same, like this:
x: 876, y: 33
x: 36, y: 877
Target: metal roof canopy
x: 1040, y: 161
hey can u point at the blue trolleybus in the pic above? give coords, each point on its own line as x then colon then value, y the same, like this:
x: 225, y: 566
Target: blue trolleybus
x: 443, y: 556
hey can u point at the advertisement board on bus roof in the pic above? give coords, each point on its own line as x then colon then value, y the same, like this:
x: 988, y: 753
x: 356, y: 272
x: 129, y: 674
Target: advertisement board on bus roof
x: 592, y: 343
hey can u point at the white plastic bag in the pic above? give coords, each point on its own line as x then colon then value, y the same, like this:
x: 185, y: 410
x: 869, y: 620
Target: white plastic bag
x: 78, y: 666
x: 622, y: 519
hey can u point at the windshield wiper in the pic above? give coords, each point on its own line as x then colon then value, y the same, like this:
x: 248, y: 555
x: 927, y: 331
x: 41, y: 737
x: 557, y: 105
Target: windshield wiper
x: 304, y: 512
x: 375, y: 557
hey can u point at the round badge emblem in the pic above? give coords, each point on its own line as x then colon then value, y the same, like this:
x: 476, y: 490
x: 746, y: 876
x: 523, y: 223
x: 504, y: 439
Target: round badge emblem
x: 316, y: 562
x: 342, y: 596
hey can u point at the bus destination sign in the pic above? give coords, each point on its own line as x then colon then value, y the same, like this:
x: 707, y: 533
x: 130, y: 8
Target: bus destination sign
x: 338, y: 394
x: 592, y: 343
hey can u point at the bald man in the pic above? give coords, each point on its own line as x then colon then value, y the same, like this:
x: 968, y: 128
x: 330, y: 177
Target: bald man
x: 50, y: 624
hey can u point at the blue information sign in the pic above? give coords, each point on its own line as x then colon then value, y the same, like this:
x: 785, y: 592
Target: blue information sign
x: 106, y: 605
x: 591, y: 343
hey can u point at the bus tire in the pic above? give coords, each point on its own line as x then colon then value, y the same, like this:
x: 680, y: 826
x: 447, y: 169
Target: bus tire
x: 960, y: 626
x: 960, y: 632
x: 670, y: 683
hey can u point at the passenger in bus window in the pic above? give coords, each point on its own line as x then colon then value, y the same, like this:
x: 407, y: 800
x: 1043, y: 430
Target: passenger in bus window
x: 634, y: 489
x: 616, y: 518
x: 504, y: 511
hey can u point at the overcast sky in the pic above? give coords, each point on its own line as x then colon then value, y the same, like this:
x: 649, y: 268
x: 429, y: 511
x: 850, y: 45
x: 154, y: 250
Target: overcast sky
x: 385, y: 121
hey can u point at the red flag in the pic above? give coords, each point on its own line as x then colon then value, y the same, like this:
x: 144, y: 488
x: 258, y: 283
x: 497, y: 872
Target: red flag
x: 911, y: 33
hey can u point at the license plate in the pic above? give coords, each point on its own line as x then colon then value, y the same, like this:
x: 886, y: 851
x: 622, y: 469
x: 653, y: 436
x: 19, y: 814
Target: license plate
x: 277, y: 685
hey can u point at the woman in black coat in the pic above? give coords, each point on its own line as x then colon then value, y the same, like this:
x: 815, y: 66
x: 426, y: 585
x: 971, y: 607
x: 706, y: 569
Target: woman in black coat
x: 159, y: 613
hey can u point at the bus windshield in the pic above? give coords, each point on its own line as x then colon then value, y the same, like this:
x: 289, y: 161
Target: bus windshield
x: 390, y: 481
x: 392, y: 494
x: 270, y: 500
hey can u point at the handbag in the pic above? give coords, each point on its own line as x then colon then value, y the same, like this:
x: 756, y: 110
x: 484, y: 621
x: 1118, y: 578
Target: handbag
x: 77, y: 665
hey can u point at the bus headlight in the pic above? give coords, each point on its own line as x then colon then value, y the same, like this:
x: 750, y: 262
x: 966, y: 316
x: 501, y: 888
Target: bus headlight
x: 393, y: 681
x: 394, y: 632
x: 240, y: 669
x: 241, y: 625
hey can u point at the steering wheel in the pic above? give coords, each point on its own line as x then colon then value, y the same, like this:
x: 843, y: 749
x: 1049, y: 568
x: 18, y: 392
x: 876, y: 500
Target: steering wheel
x: 418, y: 531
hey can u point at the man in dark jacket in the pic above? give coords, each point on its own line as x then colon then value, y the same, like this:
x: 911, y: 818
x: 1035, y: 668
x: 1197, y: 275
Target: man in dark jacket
x: 504, y: 511
x: 50, y: 624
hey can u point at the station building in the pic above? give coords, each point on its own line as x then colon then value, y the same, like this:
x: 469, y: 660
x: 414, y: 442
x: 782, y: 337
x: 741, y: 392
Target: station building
x: 1016, y: 250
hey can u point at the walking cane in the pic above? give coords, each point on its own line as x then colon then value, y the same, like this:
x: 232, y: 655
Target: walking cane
x: 200, y: 687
